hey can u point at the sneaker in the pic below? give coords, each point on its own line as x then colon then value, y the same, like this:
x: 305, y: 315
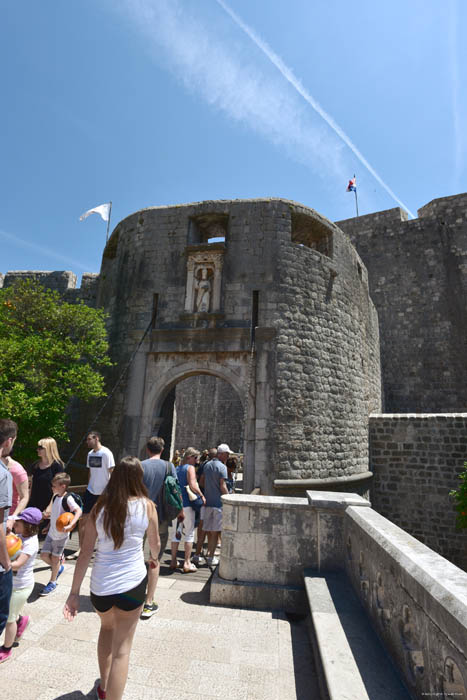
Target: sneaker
x: 4, y: 654
x: 100, y: 694
x: 21, y: 625
x: 149, y: 610
x: 212, y: 561
x: 50, y: 588
x: 61, y: 570
x: 196, y: 558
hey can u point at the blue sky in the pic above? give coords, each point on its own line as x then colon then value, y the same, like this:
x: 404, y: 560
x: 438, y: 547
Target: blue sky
x: 157, y: 102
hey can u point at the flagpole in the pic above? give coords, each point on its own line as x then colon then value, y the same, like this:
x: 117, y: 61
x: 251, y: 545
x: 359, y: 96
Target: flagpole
x: 355, y: 191
x: 108, y: 223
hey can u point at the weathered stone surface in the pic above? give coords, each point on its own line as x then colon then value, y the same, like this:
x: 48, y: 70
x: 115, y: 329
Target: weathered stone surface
x: 416, y: 599
x: 291, y: 280
x: 417, y: 273
x: 416, y: 460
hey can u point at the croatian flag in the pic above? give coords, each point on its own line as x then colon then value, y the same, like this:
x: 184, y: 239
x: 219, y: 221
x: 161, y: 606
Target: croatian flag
x: 352, y: 186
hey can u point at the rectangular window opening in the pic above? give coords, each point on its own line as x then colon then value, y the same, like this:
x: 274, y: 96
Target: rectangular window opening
x: 254, y: 314
x: 155, y: 304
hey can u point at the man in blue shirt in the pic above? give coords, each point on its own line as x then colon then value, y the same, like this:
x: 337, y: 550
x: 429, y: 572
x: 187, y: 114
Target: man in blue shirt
x: 8, y: 430
x: 215, y: 475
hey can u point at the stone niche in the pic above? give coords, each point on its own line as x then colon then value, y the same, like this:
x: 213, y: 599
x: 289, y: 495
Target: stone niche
x: 204, y: 279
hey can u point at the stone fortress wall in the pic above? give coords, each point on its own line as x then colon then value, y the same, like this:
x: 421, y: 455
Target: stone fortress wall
x: 417, y: 274
x: 417, y: 279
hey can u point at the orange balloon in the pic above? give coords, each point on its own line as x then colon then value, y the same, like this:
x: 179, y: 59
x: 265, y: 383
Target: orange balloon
x: 13, y: 545
x: 63, y: 520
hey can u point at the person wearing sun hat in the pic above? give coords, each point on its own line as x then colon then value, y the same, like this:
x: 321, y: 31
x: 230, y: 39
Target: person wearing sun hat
x: 26, y: 525
x: 215, y: 475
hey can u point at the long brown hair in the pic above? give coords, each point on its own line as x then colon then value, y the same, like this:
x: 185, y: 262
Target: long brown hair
x: 125, y: 482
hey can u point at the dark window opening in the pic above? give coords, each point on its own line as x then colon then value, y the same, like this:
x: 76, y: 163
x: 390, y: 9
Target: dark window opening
x: 155, y: 304
x: 312, y: 233
x: 207, y: 228
x: 254, y: 314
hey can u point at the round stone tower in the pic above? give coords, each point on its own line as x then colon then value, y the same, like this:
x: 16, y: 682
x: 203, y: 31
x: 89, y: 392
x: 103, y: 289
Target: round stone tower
x: 264, y: 294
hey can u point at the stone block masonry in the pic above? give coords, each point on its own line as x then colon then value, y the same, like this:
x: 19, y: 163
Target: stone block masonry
x: 62, y: 281
x: 416, y: 460
x: 417, y: 274
x: 282, y: 274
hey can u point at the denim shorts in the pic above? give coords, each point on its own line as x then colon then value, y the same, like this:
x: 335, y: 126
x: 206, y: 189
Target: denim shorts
x: 54, y: 547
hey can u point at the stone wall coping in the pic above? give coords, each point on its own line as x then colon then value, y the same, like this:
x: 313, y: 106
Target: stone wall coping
x: 444, y: 582
x: 335, y: 499
x: 320, y: 483
x: 264, y: 501
x: 411, y: 416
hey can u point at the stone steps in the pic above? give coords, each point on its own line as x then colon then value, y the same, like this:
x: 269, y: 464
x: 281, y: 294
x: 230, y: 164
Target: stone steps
x: 351, y: 661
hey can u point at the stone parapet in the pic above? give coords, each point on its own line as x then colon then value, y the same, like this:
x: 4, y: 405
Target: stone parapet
x: 416, y: 600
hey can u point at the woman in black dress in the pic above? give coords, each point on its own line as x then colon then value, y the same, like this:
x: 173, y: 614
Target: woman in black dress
x: 43, y: 471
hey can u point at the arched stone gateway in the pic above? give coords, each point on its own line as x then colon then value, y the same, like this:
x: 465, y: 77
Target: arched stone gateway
x: 265, y: 294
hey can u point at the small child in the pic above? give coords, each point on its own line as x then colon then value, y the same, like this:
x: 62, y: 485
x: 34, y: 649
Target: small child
x: 54, y: 545
x: 26, y: 525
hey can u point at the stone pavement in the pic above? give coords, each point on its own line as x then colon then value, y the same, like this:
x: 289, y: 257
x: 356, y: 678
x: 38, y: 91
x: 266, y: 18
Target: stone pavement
x: 189, y: 650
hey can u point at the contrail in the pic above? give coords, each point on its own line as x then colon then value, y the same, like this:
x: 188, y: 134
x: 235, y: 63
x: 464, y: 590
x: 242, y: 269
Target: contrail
x: 295, y: 82
x: 41, y: 249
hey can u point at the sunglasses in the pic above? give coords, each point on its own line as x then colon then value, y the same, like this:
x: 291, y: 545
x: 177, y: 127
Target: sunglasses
x: 40, y: 447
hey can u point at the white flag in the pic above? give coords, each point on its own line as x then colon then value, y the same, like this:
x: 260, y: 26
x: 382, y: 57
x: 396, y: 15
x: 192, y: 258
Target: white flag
x: 102, y: 209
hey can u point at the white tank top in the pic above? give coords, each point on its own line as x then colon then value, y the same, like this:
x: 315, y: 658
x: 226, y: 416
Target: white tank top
x: 120, y: 570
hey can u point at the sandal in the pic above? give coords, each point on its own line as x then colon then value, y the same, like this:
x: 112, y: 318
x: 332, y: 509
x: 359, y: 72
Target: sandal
x: 189, y: 569
x: 173, y: 567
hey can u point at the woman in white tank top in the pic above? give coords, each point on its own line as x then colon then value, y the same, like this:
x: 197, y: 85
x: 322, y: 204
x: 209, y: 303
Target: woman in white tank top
x: 116, y: 528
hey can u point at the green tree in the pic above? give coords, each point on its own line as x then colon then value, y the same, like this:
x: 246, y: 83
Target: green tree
x: 50, y: 352
x: 460, y: 497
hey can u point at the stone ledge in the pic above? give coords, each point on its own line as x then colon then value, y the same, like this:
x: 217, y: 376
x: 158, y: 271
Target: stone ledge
x: 260, y: 596
x: 321, y: 484
x: 353, y: 663
x: 335, y: 500
x: 264, y: 501
x: 411, y: 416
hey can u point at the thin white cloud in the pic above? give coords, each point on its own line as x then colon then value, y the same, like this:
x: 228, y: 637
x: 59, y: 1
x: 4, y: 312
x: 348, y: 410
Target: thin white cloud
x: 16, y: 240
x: 218, y: 69
x: 287, y: 73
x: 210, y: 64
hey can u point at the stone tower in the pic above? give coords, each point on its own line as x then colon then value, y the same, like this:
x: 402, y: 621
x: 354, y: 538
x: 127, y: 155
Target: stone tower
x: 265, y: 294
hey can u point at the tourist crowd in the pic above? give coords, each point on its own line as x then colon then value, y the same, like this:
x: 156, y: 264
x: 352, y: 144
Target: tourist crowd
x: 122, y: 506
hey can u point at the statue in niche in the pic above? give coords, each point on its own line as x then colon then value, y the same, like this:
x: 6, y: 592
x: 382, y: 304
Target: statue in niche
x: 203, y: 288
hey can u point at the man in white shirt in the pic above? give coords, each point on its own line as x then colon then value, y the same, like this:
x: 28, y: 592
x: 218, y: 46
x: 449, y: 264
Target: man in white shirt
x: 100, y: 463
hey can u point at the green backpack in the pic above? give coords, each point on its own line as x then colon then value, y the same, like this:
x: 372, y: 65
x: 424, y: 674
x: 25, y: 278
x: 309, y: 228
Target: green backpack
x: 172, y: 502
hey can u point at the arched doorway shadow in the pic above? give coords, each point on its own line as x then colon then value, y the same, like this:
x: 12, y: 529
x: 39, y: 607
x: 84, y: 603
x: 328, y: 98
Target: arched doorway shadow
x: 201, y: 410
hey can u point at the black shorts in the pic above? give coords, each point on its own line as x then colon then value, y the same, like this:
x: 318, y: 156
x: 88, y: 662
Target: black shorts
x: 89, y: 499
x: 130, y: 600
